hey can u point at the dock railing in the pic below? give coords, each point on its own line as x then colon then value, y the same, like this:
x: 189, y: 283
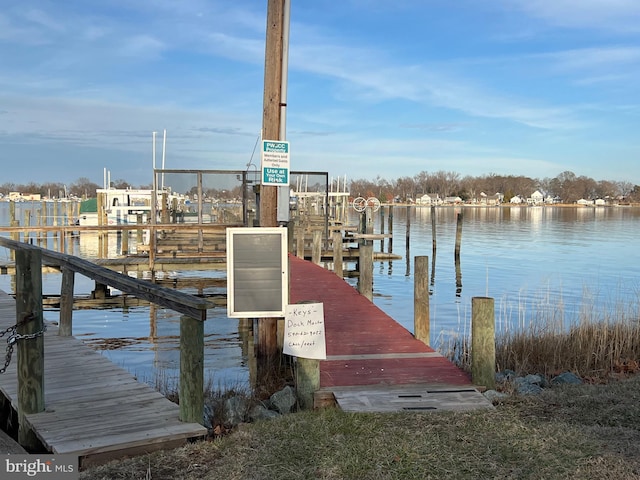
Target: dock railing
x: 30, y: 327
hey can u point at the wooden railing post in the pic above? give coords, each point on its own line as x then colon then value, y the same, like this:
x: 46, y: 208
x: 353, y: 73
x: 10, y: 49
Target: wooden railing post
x: 191, y: 370
x: 483, y: 344
x: 421, y: 326
x: 30, y: 343
x: 65, y: 328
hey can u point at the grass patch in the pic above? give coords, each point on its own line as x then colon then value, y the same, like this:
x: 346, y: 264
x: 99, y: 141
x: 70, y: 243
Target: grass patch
x: 587, y: 431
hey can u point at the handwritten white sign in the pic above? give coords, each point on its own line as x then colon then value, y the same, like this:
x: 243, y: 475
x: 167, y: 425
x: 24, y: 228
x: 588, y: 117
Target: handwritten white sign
x: 304, y: 331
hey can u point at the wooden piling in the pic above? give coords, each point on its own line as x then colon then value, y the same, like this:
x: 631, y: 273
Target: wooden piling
x: 30, y: 355
x: 382, y: 228
x: 365, y: 257
x: 307, y: 381
x: 421, y: 326
x: 337, y: 253
x: 458, y: 235
x: 483, y: 344
x: 300, y: 238
x: 390, y: 225
x: 316, y: 246
x: 408, y: 239
x: 191, y: 370
x: 65, y: 328
x: 125, y: 242
x: 365, y: 263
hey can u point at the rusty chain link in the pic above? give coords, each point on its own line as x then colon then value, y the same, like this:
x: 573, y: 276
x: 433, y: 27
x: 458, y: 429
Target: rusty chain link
x: 14, y: 336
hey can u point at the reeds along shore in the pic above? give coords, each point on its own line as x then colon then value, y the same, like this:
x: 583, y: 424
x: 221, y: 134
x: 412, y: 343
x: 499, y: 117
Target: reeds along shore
x: 595, y: 348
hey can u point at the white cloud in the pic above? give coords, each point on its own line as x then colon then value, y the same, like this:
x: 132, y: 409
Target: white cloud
x: 621, y: 16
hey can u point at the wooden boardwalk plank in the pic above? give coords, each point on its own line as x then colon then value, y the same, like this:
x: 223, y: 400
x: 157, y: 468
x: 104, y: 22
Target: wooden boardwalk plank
x: 93, y: 408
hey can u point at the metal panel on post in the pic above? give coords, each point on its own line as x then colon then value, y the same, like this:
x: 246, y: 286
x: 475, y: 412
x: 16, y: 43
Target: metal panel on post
x: 257, y: 272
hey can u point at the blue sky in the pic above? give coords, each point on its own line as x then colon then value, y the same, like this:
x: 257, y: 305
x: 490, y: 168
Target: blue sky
x: 376, y: 88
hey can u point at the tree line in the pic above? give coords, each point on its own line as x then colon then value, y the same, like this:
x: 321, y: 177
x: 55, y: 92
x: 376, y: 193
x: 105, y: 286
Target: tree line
x: 567, y: 186
x: 81, y: 188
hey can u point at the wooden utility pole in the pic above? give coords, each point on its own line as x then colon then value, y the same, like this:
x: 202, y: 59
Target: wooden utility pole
x: 272, y: 102
x: 267, y: 345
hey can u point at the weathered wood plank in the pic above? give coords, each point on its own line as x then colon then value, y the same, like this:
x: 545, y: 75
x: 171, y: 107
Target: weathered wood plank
x: 93, y: 408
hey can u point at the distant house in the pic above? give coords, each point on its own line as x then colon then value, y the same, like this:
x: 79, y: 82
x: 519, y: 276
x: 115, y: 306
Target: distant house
x: 584, y: 202
x: 516, y: 199
x: 600, y: 202
x: 490, y: 200
x: 537, y: 198
x: 452, y: 200
x: 429, y: 199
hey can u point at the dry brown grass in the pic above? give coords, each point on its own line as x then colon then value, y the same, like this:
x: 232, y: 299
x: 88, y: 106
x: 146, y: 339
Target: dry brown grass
x: 571, y: 432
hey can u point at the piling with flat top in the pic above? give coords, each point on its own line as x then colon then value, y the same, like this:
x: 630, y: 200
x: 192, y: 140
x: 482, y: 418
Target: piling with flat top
x: 307, y: 381
x: 65, y: 328
x: 483, y: 343
x: 300, y: 240
x: 458, y: 235
x: 390, y: 224
x: 316, y: 246
x: 421, y: 325
x: 191, y: 370
x: 408, y: 242
x: 337, y: 253
x: 30, y: 349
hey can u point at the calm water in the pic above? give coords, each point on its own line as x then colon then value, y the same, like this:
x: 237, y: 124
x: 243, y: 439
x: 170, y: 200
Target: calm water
x: 532, y: 261
x: 559, y: 261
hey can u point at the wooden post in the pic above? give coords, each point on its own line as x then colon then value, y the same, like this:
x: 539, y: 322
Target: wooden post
x: 390, y: 224
x: 382, y: 228
x: 458, y: 235
x: 13, y: 223
x: 299, y: 238
x: 365, y: 260
x: 483, y: 343
x: 421, y: 326
x: 30, y: 365
x: 139, y: 229
x: 408, y: 227
x: 316, y: 249
x: 433, y: 245
x: 307, y: 381
x: 65, y: 328
x: 27, y: 224
x: 191, y: 370
x: 337, y: 253
x: 125, y: 241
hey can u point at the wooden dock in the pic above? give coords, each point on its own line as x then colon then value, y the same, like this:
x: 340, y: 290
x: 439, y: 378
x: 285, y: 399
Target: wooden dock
x: 94, y: 409
x: 374, y: 363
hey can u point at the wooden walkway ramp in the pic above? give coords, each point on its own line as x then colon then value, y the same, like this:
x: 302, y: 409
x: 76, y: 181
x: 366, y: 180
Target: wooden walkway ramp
x: 374, y: 363
x: 94, y: 409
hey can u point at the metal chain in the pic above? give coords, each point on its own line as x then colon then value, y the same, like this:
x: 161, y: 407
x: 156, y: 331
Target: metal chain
x: 14, y: 336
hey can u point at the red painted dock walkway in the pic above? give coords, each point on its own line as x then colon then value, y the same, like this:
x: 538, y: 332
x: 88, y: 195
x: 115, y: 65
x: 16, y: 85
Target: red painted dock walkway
x: 373, y: 363
x: 365, y: 346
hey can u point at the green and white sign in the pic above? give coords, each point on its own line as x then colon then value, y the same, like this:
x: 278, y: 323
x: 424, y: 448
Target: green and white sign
x: 275, y: 162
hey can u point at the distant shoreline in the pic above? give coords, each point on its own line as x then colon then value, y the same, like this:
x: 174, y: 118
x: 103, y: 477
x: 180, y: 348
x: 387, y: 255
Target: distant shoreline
x: 511, y: 205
